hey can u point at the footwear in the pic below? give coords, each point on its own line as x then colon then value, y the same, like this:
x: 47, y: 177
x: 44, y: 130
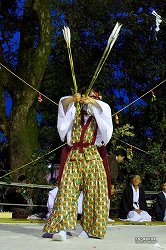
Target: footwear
x: 83, y: 235
x: 69, y: 235
x: 60, y: 236
x: 110, y: 220
x: 47, y: 235
x: 94, y: 237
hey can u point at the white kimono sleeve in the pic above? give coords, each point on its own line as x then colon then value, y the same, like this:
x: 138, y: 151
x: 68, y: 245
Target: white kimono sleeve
x: 104, y: 120
x: 65, y: 120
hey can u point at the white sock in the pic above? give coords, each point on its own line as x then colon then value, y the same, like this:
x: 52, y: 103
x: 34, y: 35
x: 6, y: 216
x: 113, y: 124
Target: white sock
x: 60, y: 236
x: 83, y: 235
x: 111, y: 220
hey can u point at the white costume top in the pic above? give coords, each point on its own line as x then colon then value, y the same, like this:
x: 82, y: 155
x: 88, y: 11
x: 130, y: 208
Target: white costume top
x: 103, y: 118
x: 165, y: 209
x: 135, y: 197
x: 164, y: 194
x: 51, y: 198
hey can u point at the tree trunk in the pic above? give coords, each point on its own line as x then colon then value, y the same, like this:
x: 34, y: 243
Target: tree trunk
x: 34, y: 51
x: 23, y: 136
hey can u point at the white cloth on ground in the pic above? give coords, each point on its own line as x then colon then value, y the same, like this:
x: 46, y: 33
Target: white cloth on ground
x: 134, y: 216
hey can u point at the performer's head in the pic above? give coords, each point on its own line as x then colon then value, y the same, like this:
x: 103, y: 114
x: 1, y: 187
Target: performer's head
x: 163, y: 186
x: 95, y: 93
x: 136, y: 180
x: 121, y: 155
x: 22, y: 178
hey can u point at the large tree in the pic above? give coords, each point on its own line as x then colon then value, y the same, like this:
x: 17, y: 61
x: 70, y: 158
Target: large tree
x: 32, y: 23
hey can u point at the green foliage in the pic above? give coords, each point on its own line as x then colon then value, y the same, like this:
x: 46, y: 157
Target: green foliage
x: 123, y: 131
x: 119, y: 134
x: 150, y: 166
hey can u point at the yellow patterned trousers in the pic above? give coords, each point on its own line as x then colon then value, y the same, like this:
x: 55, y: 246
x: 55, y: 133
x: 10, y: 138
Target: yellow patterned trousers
x: 82, y: 171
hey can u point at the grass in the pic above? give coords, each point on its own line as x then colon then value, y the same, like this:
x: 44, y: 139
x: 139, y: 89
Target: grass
x: 151, y: 223
x: 17, y: 220
x: 117, y: 222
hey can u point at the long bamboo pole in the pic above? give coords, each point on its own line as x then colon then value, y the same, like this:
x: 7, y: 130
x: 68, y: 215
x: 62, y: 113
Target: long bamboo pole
x: 67, y: 37
x: 107, y: 50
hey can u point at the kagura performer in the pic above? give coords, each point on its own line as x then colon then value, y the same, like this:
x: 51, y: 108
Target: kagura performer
x: 83, y: 166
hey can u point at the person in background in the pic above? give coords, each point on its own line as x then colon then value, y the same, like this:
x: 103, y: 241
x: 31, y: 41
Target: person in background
x: 83, y: 169
x: 114, y: 161
x: 2, y: 190
x: 52, y: 196
x: 20, y: 196
x: 133, y: 206
x: 160, y: 206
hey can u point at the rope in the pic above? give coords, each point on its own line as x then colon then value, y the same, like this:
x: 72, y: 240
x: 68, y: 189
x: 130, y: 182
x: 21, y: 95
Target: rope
x: 33, y: 161
x: 28, y: 84
x: 22, y: 205
x: 139, y: 97
x: 131, y: 104
x: 57, y: 105
x: 25, y: 185
x: 133, y: 146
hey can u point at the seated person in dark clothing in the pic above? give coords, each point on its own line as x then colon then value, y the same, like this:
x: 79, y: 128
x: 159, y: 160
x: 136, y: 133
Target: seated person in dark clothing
x: 133, y: 205
x: 2, y: 190
x: 17, y: 196
x: 160, y: 207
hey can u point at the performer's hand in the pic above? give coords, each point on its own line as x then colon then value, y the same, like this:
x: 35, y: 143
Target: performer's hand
x: 91, y: 100
x: 86, y: 100
x: 138, y: 211
x: 76, y: 97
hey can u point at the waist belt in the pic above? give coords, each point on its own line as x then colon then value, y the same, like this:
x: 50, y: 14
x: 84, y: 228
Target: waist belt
x: 80, y: 145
